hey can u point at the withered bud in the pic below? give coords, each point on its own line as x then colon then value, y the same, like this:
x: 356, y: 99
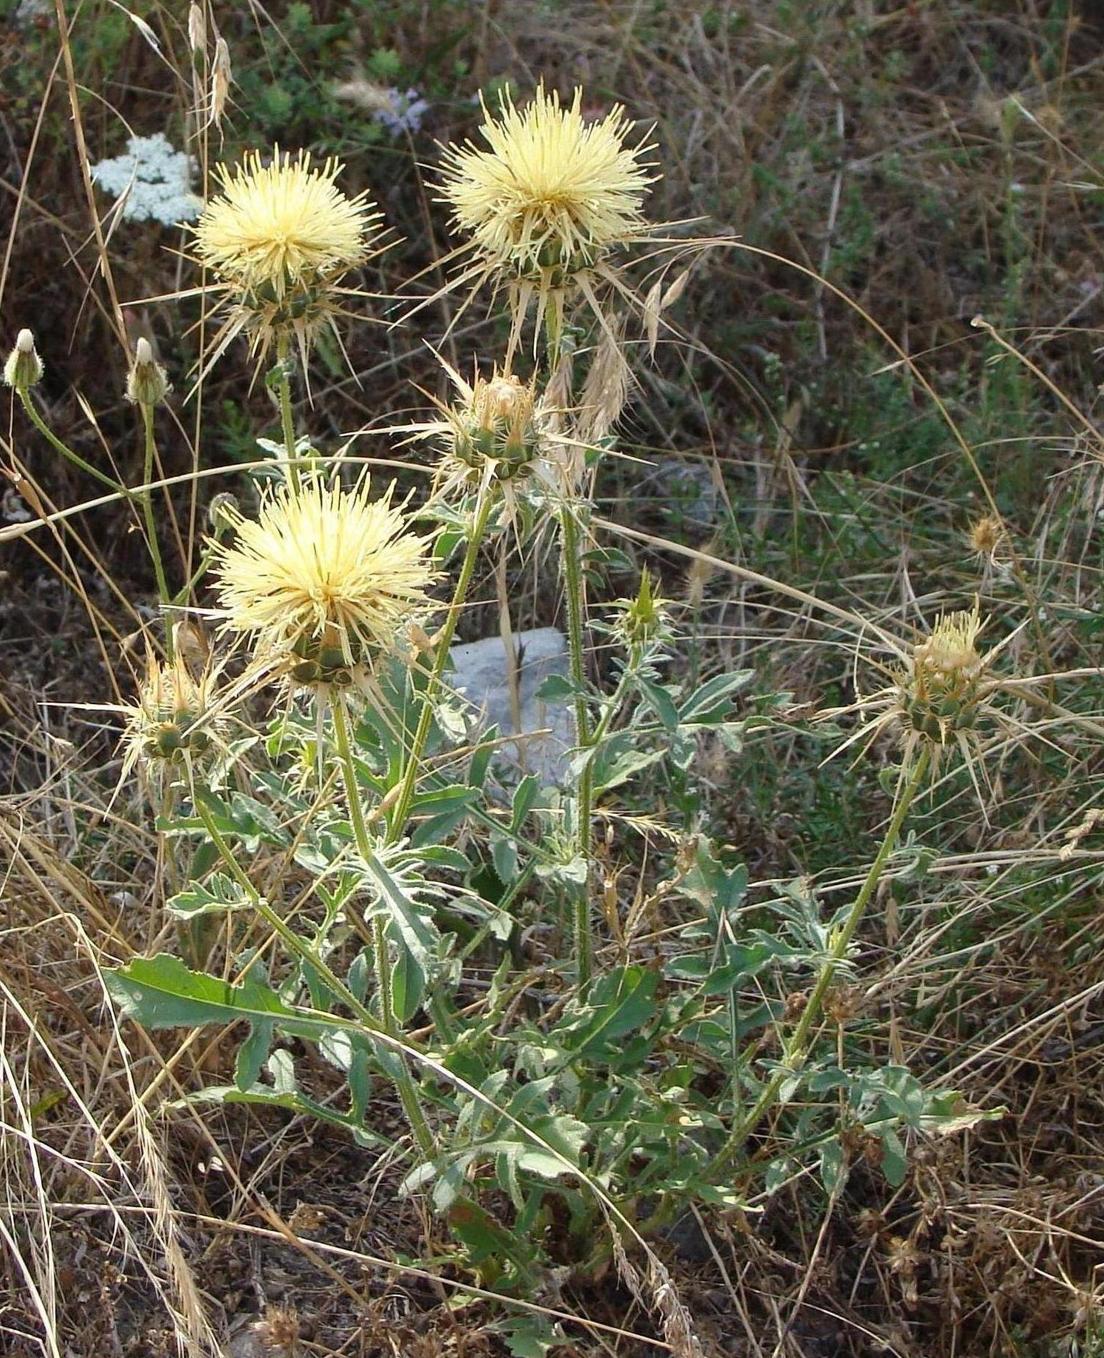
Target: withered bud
x: 23, y: 367
x: 146, y: 382
x: 223, y: 513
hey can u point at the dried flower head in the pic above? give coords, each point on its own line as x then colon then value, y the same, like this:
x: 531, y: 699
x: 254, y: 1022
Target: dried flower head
x: 550, y: 198
x: 985, y: 537
x: 940, y: 686
x: 322, y: 578
x: 279, y: 238
x: 23, y: 367
x: 174, y: 720
x: 939, y: 695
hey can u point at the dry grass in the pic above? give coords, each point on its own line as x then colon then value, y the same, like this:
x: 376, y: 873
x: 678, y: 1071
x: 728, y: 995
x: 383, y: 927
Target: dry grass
x: 929, y: 161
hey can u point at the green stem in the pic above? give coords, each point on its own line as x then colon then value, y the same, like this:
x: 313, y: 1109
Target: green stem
x: 283, y: 391
x: 184, y: 593
x: 796, y: 1048
x: 67, y: 453
x: 409, y: 781
x: 574, y: 585
x: 407, y: 1090
x: 298, y: 948
x: 146, y: 497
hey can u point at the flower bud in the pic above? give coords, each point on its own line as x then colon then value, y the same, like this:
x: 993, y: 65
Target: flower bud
x: 643, y: 619
x: 498, y: 423
x: 24, y: 367
x: 146, y: 383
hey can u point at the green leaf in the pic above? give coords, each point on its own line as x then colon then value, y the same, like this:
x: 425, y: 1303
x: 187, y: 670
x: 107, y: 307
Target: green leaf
x: 531, y: 1336
x: 217, y: 894
x: 556, y: 688
x: 712, y: 702
x: 833, y: 1166
x: 661, y: 703
x: 253, y: 1053
x: 161, y: 992
x: 894, y: 1159
x: 621, y: 1002
x: 618, y: 759
x: 297, y: 1103
x: 408, y: 982
x: 525, y: 798
x: 504, y: 857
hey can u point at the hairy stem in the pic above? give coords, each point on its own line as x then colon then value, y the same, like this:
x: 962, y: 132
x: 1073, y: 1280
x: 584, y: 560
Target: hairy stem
x: 66, y: 452
x: 283, y: 392
x: 574, y: 589
x: 146, y: 498
x: 407, y: 1091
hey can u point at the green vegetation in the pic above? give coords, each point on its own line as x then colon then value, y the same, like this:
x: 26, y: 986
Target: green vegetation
x: 762, y: 1016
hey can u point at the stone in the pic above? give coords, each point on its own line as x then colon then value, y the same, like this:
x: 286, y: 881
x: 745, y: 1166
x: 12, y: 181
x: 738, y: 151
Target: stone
x: 480, y: 678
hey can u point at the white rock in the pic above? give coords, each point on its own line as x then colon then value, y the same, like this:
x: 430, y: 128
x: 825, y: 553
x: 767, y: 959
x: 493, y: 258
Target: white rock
x: 480, y: 677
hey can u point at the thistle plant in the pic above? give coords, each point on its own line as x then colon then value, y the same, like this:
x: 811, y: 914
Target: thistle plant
x: 627, y: 1085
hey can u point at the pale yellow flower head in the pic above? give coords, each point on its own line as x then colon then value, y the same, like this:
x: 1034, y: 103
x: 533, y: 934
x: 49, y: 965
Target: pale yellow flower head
x: 322, y: 577
x: 552, y: 194
x: 280, y: 237
x: 278, y: 225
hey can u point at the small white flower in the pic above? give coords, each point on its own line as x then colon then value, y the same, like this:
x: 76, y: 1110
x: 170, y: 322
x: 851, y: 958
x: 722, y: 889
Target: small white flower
x: 154, y: 180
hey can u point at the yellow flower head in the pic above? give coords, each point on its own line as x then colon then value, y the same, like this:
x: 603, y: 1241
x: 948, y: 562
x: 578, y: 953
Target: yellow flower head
x: 552, y: 195
x: 321, y: 577
x: 278, y: 225
x: 280, y: 237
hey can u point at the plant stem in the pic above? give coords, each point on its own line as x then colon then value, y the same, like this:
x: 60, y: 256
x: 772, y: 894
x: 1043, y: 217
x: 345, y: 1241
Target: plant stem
x: 67, y: 453
x: 574, y: 587
x: 283, y: 391
x: 796, y: 1048
x: 298, y: 948
x: 409, y: 780
x: 146, y: 498
x: 407, y: 1090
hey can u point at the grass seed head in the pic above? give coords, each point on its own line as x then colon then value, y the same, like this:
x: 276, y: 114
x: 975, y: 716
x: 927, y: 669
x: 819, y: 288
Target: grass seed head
x: 322, y: 578
x: 23, y: 367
